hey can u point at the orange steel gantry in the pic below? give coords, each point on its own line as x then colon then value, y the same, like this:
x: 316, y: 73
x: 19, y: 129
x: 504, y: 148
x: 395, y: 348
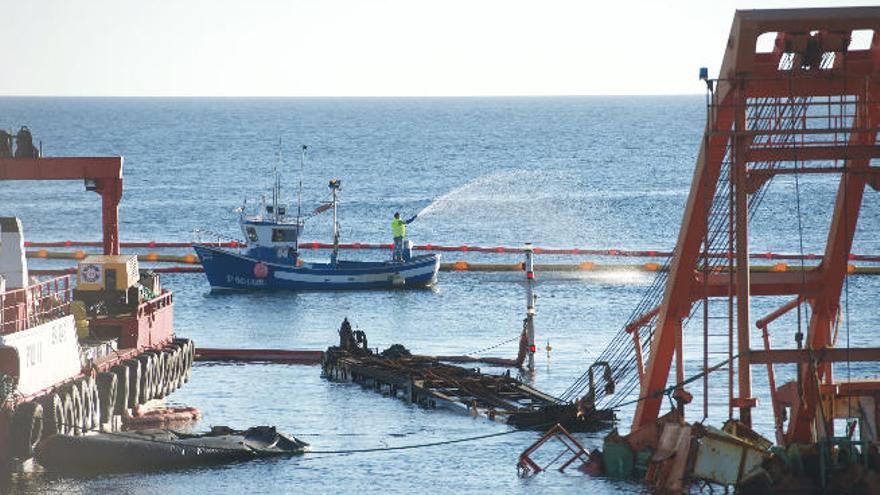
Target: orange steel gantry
x: 102, y: 175
x: 809, y: 106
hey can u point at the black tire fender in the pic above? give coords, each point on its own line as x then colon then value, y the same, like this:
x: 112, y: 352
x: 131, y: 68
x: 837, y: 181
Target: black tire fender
x: 69, y: 415
x: 97, y: 417
x: 170, y: 370
x: 176, y: 368
x: 146, y: 381
x: 134, y: 382
x: 107, y: 386
x: 53, y: 415
x: 159, y: 375
x: 77, y: 402
x: 27, y: 428
x: 88, y: 404
x: 121, y: 402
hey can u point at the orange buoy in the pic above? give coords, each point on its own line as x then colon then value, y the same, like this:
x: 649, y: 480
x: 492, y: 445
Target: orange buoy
x: 850, y: 268
x: 152, y: 257
x: 651, y: 266
x: 779, y: 267
x: 42, y: 253
x: 79, y: 254
x: 586, y: 265
x: 460, y: 266
x: 190, y: 258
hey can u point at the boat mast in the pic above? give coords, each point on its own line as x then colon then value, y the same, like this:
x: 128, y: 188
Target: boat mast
x: 276, y: 191
x: 334, y: 188
x: 302, y: 160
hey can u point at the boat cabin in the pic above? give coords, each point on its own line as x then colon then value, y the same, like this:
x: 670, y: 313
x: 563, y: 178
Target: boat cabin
x: 271, y: 236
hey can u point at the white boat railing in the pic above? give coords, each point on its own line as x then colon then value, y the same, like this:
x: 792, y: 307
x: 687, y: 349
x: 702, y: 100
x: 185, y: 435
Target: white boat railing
x: 211, y: 238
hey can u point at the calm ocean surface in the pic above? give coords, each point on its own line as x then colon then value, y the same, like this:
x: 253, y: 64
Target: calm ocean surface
x: 590, y: 172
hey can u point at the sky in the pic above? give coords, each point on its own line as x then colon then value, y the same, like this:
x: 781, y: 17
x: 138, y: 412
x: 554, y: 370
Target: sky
x: 364, y: 47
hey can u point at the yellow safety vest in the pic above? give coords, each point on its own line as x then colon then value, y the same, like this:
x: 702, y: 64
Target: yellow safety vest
x: 398, y: 227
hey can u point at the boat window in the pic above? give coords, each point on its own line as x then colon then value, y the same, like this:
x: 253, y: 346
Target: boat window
x: 252, y: 234
x: 283, y: 235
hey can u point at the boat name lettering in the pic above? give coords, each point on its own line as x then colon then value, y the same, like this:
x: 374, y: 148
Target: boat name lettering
x: 59, y: 335
x: 33, y: 354
x: 252, y: 282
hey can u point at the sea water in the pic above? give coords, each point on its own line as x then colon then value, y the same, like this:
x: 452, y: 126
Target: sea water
x: 588, y: 172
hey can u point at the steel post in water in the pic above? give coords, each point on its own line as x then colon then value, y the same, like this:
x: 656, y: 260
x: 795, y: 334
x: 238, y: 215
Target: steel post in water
x: 530, y: 305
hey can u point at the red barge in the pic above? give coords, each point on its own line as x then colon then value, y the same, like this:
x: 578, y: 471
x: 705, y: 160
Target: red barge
x: 76, y: 358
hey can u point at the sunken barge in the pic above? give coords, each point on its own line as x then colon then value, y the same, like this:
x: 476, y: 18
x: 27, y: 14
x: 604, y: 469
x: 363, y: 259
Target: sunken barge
x: 433, y: 384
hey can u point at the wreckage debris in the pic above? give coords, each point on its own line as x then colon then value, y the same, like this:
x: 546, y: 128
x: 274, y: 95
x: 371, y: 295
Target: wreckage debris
x: 428, y: 382
x: 671, y: 456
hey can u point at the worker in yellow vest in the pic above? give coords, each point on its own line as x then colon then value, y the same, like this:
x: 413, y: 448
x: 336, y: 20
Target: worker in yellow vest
x: 398, y: 229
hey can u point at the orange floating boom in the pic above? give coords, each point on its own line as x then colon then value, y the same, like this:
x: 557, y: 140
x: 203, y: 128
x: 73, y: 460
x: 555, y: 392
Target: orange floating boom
x: 636, y: 253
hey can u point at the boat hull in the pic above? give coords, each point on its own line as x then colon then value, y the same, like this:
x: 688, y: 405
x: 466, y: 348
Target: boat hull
x: 162, y: 449
x: 227, y: 270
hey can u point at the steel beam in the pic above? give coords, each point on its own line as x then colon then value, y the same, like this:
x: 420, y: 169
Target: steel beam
x: 739, y: 186
x: 61, y: 168
x: 769, y: 172
x: 813, y: 153
x: 762, y: 284
x: 829, y: 355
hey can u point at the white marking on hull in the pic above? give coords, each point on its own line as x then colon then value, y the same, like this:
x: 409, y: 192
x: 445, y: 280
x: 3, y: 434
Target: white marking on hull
x: 47, y: 354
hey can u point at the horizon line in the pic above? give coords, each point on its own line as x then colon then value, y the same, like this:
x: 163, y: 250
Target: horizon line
x: 536, y: 95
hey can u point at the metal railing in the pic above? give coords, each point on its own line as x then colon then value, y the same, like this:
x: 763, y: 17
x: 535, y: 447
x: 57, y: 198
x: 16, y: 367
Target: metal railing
x: 34, y: 305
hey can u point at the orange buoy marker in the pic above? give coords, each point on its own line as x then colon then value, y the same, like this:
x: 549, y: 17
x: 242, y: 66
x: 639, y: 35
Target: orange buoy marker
x: 460, y: 266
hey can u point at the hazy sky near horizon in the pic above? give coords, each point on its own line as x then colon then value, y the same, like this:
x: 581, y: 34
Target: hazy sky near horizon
x: 364, y: 47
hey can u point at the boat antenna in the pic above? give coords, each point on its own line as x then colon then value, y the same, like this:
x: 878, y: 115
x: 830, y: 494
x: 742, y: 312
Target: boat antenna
x: 276, y: 192
x: 302, y: 160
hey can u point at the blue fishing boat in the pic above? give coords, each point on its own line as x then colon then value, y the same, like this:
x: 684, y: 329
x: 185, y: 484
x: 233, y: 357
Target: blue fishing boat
x: 269, y: 259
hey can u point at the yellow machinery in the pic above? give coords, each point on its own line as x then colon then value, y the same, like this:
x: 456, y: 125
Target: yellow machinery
x: 108, y: 284
x: 107, y: 273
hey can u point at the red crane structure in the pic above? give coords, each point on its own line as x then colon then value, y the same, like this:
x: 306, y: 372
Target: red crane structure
x: 811, y: 105
x: 102, y: 175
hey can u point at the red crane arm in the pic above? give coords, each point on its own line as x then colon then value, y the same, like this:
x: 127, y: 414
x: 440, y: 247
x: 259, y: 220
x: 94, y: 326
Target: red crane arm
x: 102, y: 175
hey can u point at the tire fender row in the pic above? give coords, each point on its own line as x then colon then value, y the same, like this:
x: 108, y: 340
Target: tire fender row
x: 91, y: 402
